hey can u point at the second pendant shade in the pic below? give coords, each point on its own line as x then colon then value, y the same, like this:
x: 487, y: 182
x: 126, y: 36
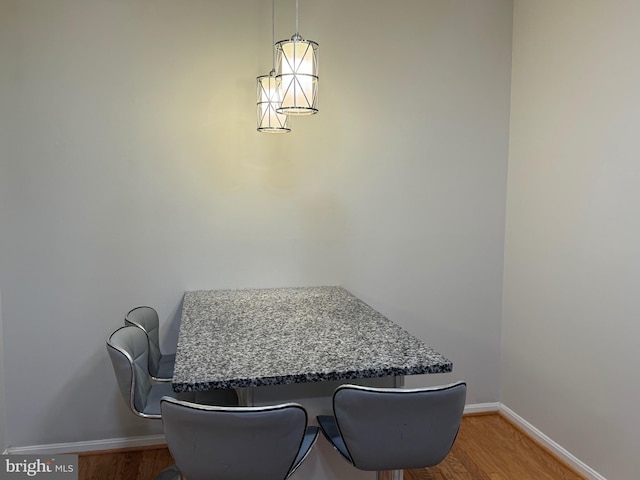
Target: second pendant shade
x: 269, y: 120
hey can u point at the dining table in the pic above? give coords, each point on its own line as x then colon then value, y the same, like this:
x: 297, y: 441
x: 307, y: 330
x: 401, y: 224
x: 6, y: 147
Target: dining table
x: 279, y: 344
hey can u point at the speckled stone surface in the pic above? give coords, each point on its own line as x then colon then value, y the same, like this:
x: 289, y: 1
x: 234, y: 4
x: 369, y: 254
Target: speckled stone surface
x: 245, y: 338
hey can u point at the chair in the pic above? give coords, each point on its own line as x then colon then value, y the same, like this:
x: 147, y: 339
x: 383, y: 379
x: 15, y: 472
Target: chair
x: 160, y: 365
x: 235, y: 443
x: 128, y: 348
x: 394, y: 429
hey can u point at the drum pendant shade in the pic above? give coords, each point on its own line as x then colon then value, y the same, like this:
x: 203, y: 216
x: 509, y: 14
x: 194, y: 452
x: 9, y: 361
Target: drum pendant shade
x: 297, y: 61
x: 268, y: 93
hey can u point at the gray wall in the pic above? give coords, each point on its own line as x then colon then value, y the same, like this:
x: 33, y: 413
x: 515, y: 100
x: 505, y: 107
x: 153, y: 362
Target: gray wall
x: 3, y: 415
x: 134, y: 172
x: 424, y: 188
x: 570, y: 358
x: 5, y: 99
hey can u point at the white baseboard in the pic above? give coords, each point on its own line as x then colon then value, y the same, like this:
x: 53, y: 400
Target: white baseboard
x: 133, y: 442
x: 478, y: 408
x: 88, y: 446
x: 557, y: 450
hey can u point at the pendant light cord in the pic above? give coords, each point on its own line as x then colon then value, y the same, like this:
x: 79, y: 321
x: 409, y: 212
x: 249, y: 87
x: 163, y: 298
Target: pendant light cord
x: 273, y: 36
x: 297, y: 31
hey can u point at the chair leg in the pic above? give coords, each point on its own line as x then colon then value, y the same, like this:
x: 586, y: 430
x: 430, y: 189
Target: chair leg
x: 389, y: 475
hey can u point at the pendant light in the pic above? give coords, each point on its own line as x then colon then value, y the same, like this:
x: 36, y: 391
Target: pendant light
x: 297, y: 61
x: 268, y: 89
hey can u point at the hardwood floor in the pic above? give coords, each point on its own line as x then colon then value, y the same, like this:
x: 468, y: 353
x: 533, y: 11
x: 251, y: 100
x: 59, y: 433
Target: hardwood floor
x: 142, y: 464
x: 488, y: 447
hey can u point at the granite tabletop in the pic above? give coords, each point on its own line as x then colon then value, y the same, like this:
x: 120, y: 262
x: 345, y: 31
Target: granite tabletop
x: 245, y: 338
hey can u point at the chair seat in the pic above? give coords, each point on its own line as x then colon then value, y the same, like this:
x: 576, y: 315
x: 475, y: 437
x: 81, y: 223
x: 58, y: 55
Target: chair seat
x: 160, y: 390
x: 128, y: 349
x: 169, y: 473
x: 166, y: 365
x: 228, y: 443
x: 378, y: 429
x: 222, y: 397
x: 160, y: 365
x: 310, y: 436
x: 330, y: 430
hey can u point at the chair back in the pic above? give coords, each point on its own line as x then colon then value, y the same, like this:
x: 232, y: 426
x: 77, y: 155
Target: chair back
x: 146, y: 318
x: 393, y: 429
x: 233, y: 443
x: 128, y: 348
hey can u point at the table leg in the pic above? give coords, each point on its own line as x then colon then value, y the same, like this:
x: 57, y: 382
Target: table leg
x: 245, y: 396
x: 398, y: 382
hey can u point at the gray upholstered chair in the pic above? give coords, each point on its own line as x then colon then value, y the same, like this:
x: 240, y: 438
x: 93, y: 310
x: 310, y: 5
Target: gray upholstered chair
x: 235, y: 443
x: 128, y: 349
x: 160, y: 365
x: 394, y: 429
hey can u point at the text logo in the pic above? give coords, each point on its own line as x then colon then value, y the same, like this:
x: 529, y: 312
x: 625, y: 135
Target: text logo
x: 59, y: 467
